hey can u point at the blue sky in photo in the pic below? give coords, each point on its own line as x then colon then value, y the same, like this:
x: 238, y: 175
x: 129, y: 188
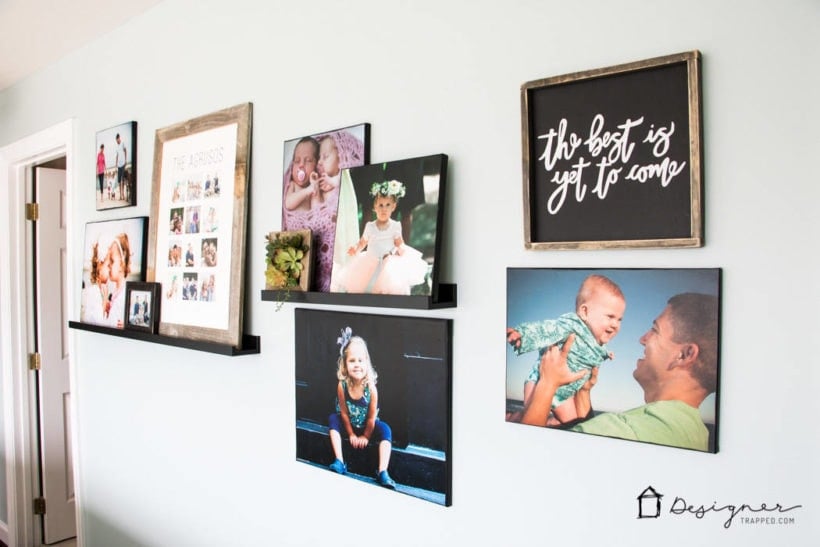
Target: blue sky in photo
x: 535, y: 294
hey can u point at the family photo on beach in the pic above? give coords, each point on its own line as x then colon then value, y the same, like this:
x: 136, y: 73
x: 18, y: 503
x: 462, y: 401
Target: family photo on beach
x: 116, y: 180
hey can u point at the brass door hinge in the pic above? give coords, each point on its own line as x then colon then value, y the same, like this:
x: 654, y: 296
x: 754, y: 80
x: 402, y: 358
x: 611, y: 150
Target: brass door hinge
x: 33, y: 211
x: 34, y: 361
x: 39, y: 506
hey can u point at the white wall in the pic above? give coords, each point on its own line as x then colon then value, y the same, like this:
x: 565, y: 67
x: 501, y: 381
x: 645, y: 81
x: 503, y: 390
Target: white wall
x: 186, y: 448
x: 4, y: 509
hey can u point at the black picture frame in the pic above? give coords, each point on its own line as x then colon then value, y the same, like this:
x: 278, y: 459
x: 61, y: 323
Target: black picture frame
x: 413, y: 359
x: 420, y: 213
x: 147, y: 296
x: 627, y: 381
x: 116, y: 186
x: 612, y: 156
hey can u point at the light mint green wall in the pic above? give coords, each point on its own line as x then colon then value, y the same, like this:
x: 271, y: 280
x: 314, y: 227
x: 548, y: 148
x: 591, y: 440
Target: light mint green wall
x: 186, y: 448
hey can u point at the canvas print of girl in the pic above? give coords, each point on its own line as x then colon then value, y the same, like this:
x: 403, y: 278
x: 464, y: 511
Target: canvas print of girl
x: 388, y: 227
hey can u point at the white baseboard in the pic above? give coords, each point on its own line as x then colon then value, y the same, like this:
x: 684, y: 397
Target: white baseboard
x: 4, y: 532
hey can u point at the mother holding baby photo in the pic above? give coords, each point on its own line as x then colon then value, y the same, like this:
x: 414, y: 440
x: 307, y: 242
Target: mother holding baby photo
x: 114, y: 255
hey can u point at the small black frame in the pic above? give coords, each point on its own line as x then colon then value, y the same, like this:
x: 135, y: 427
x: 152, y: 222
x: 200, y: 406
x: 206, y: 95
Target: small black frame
x: 142, y: 305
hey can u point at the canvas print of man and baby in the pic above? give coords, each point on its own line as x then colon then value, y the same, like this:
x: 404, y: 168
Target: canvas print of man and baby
x: 624, y: 353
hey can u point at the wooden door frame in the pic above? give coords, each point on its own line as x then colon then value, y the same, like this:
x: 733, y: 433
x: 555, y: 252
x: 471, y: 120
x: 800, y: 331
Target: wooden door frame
x: 19, y: 411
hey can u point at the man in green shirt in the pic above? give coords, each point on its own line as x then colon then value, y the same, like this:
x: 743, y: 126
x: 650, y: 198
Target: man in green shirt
x: 677, y: 371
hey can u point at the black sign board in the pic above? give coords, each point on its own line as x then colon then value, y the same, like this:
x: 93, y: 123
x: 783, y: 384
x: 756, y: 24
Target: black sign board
x: 612, y: 157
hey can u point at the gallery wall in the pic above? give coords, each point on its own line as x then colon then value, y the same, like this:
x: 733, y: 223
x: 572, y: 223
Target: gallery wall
x: 180, y: 447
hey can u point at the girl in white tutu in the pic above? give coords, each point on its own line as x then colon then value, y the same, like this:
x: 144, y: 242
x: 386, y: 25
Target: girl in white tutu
x: 381, y: 263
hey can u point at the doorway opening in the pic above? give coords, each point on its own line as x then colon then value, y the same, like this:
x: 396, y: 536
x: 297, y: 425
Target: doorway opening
x: 28, y: 300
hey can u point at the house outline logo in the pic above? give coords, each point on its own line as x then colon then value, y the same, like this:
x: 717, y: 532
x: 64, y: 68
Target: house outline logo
x: 649, y: 503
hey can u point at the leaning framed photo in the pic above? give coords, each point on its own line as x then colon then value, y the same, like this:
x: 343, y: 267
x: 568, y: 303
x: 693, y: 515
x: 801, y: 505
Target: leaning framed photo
x: 313, y: 166
x: 389, y: 228
x: 142, y: 306
x: 116, y: 166
x: 350, y: 366
x: 612, y: 156
x: 198, y: 225
x: 113, y: 255
x: 645, y: 352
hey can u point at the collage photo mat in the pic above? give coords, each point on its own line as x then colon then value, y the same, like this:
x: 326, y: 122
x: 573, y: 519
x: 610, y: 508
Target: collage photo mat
x: 199, y: 223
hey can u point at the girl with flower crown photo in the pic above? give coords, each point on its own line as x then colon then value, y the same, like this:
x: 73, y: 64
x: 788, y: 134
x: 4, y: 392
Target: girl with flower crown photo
x: 382, y: 263
x: 357, y: 408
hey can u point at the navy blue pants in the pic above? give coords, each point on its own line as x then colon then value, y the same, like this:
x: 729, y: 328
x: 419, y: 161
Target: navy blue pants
x: 381, y: 431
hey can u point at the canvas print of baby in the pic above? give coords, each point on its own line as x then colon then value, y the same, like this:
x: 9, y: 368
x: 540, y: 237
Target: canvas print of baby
x: 311, y: 180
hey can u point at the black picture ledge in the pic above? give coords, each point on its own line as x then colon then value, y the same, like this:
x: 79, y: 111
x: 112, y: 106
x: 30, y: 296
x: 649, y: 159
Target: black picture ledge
x: 250, y: 344
x: 446, y: 299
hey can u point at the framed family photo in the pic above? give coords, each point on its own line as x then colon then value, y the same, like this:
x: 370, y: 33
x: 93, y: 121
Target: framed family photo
x: 199, y: 223
x: 645, y: 352
x: 389, y: 228
x: 401, y: 368
x: 114, y: 253
x: 142, y: 306
x: 116, y: 166
x: 313, y: 165
x: 612, y: 157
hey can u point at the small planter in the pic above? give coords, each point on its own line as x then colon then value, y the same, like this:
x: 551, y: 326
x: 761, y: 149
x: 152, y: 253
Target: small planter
x: 288, y: 261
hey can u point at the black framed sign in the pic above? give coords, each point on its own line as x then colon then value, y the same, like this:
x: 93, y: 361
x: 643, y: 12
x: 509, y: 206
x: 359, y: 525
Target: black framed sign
x: 612, y: 156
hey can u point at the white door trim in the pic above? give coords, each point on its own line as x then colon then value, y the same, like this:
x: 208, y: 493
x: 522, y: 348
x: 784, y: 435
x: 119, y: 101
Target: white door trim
x: 16, y: 160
